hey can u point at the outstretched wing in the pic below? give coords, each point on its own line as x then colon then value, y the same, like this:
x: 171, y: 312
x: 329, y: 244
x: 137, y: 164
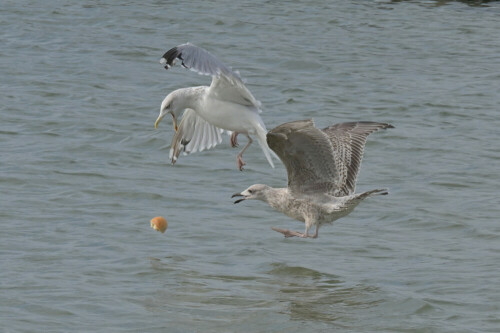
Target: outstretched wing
x: 194, y: 134
x: 321, y: 161
x: 348, y: 142
x: 196, y: 59
x: 226, y: 84
x: 308, y: 156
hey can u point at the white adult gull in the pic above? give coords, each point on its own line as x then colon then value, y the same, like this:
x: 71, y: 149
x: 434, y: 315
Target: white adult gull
x: 225, y: 105
x: 322, y: 167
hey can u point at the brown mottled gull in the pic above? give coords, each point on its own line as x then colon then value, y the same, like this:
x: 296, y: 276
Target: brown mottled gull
x: 225, y: 105
x: 322, y: 167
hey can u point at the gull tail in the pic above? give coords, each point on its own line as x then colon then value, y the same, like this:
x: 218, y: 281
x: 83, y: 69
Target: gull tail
x: 261, y: 138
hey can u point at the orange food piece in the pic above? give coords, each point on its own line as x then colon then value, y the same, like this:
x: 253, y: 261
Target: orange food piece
x: 159, y: 224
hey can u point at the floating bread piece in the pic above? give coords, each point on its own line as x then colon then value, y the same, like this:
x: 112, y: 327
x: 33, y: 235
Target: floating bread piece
x: 159, y: 224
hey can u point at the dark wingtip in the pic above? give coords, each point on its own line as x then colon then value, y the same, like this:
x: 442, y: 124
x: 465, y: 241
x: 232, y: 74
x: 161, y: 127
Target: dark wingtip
x: 168, y: 59
x: 163, y: 61
x: 165, y: 55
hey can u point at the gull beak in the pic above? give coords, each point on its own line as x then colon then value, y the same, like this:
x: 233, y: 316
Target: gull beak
x: 238, y: 195
x: 160, y: 117
x: 175, y: 122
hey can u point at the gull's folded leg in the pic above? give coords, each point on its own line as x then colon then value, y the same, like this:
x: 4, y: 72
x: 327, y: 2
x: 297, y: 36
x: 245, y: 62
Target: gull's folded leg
x: 234, y: 139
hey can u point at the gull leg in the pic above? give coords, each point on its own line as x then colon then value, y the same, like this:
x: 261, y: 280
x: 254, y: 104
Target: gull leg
x: 288, y: 233
x: 316, y: 232
x: 239, y: 158
x: 240, y: 163
x: 306, y: 232
x: 234, y: 139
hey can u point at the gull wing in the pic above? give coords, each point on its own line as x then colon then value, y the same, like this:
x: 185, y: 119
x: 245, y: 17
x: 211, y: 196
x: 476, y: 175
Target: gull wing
x: 194, y: 134
x: 308, y: 156
x: 321, y: 161
x: 226, y: 84
x: 196, y: 59
x: 227, y: 89
x: 348, y: 141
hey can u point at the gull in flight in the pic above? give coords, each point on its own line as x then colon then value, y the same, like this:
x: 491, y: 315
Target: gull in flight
x: 225, y: 105
x: 322, y: 166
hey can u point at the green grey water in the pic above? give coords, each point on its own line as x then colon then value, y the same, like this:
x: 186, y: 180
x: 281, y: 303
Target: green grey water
x: 82, y: 170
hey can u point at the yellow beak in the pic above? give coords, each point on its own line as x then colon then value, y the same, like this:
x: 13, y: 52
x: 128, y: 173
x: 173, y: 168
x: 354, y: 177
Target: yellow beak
x: 160, y: 117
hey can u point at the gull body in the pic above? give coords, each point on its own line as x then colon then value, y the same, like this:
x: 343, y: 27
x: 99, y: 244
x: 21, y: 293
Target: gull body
x: 230, y: 116
x: 221, y: 114
x: 322, y: 167
x: 209, y: 110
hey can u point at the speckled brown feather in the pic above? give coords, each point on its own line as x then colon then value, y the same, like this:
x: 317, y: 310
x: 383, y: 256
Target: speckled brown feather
x: 321, y: 161
x: 348, y: 142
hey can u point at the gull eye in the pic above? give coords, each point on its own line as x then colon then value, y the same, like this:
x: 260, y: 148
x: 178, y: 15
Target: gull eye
x: 250, y: 191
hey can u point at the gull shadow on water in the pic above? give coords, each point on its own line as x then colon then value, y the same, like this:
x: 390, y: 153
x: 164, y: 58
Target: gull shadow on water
x: 315, y: 296
x: 277, y: 292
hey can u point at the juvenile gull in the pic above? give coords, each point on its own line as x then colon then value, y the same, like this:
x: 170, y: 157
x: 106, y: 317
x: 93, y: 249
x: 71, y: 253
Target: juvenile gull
x: 226, y: 105
x: 322, y: 166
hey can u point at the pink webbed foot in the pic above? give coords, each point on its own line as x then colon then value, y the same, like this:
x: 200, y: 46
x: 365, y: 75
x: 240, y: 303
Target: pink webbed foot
x: 289, y: 233
x: 240, y: 155
x: 240, y: 163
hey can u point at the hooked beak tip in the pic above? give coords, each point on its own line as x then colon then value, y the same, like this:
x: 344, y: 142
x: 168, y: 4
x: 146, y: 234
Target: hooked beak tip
x: 160, y: 117
x: 158, y: 121
x: 238, y: 195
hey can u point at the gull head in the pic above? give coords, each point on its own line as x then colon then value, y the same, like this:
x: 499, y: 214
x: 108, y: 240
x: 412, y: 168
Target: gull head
x: 172, y: 104
x: 254, y: 192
